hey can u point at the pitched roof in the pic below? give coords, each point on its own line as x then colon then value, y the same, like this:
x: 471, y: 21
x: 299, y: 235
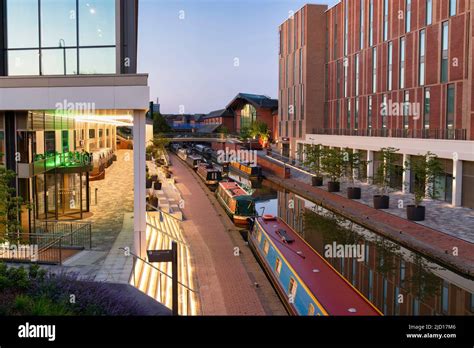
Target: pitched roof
x: 258, y: 101
x: 220, y: 113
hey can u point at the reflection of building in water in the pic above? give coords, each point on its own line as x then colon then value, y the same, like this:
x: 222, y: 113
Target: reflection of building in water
x: 396, y: 280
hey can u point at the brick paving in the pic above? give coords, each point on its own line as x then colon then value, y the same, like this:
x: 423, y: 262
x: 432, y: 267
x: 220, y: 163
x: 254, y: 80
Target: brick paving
x: 454, y: 252
x: 227, y: 283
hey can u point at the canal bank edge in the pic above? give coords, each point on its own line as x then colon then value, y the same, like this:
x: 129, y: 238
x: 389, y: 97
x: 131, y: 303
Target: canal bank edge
x: 430, y: 243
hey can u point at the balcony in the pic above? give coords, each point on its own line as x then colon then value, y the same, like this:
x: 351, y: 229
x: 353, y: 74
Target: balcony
x: 445, y: 134
x: 69, y: 162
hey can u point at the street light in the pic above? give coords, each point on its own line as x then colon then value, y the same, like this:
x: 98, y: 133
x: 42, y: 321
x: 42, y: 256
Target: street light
x: 62, y: 44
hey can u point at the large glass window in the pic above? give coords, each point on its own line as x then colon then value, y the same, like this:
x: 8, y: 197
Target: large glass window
x: 422, y: 58
x: 362, y: 26
x: 406, y: 109
x: 389, y: 65
x: 450, y: 107
x: 46, y: 37
x: 429, y: 12
x: 402, y: 62
x: 452, y: 7
x: 248, y: 115
x: 2, y: 145
x: 357, y: 74
x: 369, y: 113
x: 385, y: 20
x: 427, y: 108
x: 444, y: 52
x: 346, y: 28
x: 374, y: 70
x: 408, y: 16
x: 371, y: 22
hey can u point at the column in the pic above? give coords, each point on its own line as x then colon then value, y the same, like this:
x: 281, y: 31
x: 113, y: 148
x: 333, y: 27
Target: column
x: 139, y: 177
x: 457, y: 183
x: 406, y: 174
x: 355, y: 172
x: 370, y: 166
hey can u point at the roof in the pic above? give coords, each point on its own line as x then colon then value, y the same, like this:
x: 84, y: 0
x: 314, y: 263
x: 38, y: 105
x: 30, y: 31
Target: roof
x: 234, y: 189
x: 220, y: 113
x: 257, y: 100
x: 330, y: 288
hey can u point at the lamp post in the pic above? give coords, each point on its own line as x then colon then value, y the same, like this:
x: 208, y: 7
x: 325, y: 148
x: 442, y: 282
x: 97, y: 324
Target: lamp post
x: 62, y: 44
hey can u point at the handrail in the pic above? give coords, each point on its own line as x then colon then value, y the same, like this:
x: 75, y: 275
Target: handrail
x: 151, y: 265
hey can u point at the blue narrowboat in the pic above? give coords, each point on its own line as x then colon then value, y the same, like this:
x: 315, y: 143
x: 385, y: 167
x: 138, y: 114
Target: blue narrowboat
x: 306, y: 282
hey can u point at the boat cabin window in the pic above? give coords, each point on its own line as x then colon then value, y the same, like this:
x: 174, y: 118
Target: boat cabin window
x: 292, y: 289
x: 278, y: 265
x: 311, y: 309
x: 259, y: 237
x: 266, y: 247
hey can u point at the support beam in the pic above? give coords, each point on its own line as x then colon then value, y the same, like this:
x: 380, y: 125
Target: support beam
x: 406, y: 174
x: 370, y: 166
x: 457, y: 183
x: 139, y: 172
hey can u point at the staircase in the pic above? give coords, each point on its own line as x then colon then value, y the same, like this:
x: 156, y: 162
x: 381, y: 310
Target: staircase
x: 155, y: 280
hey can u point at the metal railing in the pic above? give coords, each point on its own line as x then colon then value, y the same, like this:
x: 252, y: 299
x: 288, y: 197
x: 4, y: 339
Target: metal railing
x: 50, y: 244
x: 446, y: 134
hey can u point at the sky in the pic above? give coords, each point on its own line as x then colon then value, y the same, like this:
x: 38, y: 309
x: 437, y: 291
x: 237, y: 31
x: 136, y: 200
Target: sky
x: 200, y: 54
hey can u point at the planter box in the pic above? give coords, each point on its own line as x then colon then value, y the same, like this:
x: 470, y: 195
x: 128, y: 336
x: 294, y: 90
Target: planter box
x: 317, y: 181
x: 334, y: 186
x: 381, y: 202
x: 354, y: 192
x: 416, y: 213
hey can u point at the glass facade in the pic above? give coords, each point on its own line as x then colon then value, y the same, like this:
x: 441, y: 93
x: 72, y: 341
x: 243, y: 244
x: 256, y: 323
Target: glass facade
x: 61, y: 37
x: 248, y: 116
x: 444, y: 52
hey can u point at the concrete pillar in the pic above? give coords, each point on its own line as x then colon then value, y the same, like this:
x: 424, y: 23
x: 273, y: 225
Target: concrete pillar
x: 139, y: 177
x: 406, y: 174
x: 370, y: 166
x: 457, y: 183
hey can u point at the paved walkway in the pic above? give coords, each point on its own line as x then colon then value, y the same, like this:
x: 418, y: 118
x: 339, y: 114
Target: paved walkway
x: 453, y: 252
x: 227, y: 283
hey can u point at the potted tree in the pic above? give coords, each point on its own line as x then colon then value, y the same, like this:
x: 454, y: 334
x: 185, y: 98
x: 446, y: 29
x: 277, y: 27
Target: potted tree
x: 382, y: 177
x: 312, y: 160
x: 353, y: 164
x: 425, y: 170
x: 157, y: 185
x: 332, y: 163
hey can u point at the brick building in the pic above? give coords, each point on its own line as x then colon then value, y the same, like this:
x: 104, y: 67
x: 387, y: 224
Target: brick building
x: 368, y: 74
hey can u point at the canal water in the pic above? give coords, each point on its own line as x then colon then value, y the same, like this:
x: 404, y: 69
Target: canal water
x: 395, y: 279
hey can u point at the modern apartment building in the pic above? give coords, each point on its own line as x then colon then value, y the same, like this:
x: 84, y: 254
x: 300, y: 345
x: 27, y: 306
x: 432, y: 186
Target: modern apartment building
x: 68, y: 78
x: 396, y: 74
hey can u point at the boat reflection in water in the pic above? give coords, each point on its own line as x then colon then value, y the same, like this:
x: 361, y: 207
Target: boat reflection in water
x: 394, y: 279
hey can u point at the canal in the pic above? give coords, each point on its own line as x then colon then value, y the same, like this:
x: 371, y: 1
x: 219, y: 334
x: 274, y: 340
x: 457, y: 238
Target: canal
x: 395, y: 279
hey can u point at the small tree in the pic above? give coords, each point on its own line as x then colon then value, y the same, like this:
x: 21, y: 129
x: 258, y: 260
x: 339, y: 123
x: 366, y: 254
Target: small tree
x: 332, y: 163
x: 385, y: 170
x: 425, y: 169
x: 10, y: 204
x: 353, y: 163
x: 312, y: 158
x: 159, y: 124
x: 260, y: 130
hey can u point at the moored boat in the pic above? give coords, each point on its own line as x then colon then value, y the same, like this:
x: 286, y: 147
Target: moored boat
x: 238, y: 204
x: 209, y: 174
x: 306, y: 282
x: 247, y: 174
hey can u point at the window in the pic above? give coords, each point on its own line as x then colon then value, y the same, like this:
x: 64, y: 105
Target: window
x: 402, y: 62
x: 444, y: 52
x: 335, y: 53
x: 450, y: 107
x: 266, y: 246
x: 248, y: 115
x: 421, y: 76
x: 445, y: 298
x: 356, y: 114
x: 346, y: 77
x: 397, y: 304
x: 338, y: 79
x: 369, y: 112
x: 371, y: 285
x: 301, y: 65
x: 406, y: 109
x: 357, y: 74
x: 278, y: 266
x: 427, y: 108
x: 429, y: 12
x: 49, y: 37
x: 385, y: 20
x: 408, y: 16
x: 292, y: 288
x: 416, y: 306
x: 384, y: 111
x: 311, y: 310
x: 361, y: 21
x: 302, y: 27
x: 295, y: 109
x: 384, y: 291
x: 472, y: 303
x: 348, y: 120
x: 389, y: 65
x: 346, y: 28
x: 302, y: 101
x: 452, y: 7
x: 374, y: 70
x: 371, y: 22
x: 2, y: 145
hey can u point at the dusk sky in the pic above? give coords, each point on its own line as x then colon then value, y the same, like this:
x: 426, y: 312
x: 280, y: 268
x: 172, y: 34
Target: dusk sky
x: 191, y: 60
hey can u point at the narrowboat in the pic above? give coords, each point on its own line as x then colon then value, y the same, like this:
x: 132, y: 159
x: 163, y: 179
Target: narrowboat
x: 209, y: 174
x: 238, y: 204
x: 193, y: 161
x: 247, y: 174
x: 183, y: 154
x: 306, y: 282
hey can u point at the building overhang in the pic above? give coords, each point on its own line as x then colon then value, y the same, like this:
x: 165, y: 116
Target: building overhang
x: 104, y: 92
x: 449, y: 149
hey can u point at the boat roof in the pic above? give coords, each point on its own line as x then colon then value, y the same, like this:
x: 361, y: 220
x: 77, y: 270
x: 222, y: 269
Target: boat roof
x: 234, y: 188
x: 333, y: 291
